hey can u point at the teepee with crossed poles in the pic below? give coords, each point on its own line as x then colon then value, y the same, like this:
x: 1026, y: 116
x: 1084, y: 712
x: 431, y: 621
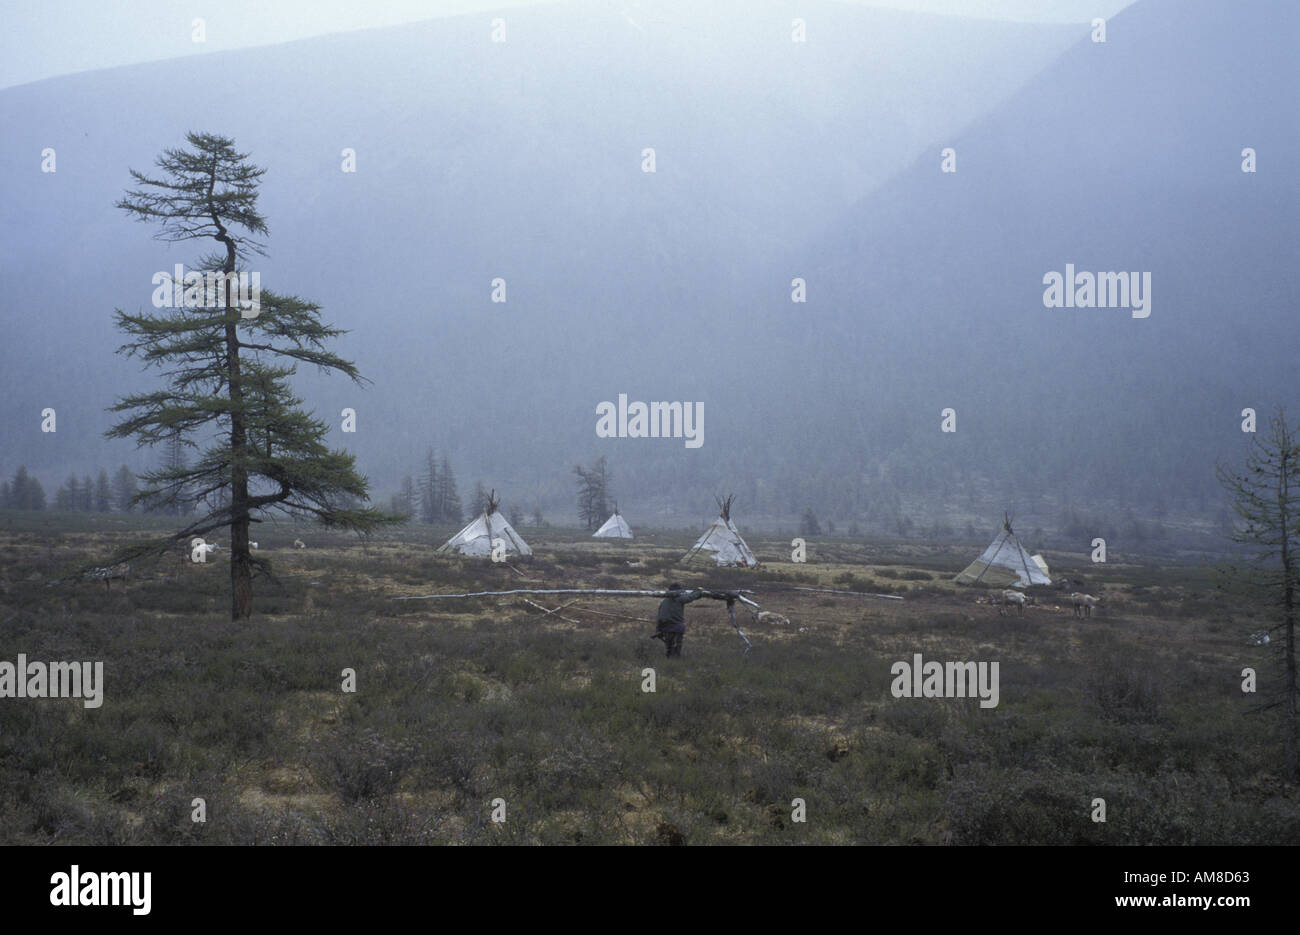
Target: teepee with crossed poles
x: 615, y: 527
x: 1005, y: 563
x: 476, y: 538
x: 723, y: 539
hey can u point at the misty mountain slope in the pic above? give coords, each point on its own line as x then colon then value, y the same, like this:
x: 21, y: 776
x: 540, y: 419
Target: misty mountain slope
x: 1122, y: 156
x: 477, y: 160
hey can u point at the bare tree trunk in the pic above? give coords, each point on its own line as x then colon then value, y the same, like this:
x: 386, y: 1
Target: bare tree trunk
x: 241, y: 567
x: 1289, y: 613
x: 1293, y: 716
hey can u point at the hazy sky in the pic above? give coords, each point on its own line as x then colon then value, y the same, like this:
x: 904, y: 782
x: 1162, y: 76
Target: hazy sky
x: 40, y: 40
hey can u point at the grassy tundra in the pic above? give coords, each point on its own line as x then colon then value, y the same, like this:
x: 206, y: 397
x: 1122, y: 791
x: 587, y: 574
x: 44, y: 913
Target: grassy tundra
x: 460, y: 703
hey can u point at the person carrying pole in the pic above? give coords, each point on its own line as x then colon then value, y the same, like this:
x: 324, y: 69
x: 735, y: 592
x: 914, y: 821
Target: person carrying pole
x: 671, y: 620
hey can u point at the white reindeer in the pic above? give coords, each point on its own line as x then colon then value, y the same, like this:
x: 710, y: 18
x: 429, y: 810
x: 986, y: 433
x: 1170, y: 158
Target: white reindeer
x: 1014, y: 597
x: 766, y: 616
x: 110, y: 573
x: 299, y: 544
x: 1083, y: 604
x: 252, y: 545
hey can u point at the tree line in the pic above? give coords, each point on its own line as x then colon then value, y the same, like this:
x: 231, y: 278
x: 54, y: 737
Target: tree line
x: 594, y: 496
x: 100, y: 494
x: 433, y: 497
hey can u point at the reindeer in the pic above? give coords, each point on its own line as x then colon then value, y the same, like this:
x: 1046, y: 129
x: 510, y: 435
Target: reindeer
x: 1083, y: 604
x: 110, y: 573
x: 1010, y: 596
x: 299, y: 544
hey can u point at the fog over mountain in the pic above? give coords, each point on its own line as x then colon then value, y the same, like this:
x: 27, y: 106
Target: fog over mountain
x: 1122, y: 156
x: 774, y: 160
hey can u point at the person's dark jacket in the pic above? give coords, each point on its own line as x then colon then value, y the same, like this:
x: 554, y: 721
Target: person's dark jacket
x: 672, y: 610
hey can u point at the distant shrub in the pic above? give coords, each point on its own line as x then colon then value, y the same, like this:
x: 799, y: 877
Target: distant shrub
x: 382, y: 822
x: 903, y: 574
x: 1017, y: 807
x: 363, y: 766
x: 915, y: 718
x: 1125, y: 694
x: 1052, y: 806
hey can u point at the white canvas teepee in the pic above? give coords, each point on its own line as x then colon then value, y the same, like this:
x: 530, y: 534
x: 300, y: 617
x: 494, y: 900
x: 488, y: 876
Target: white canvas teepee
x: 723, y: 540
x: 1005, y: 563
x: 476, y: 538
x: 615, y: 527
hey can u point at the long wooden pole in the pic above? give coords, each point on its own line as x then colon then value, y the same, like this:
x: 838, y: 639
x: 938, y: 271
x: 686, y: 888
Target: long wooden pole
x: 887, y: 597
x: 729, y: 596
x: 431, y: 597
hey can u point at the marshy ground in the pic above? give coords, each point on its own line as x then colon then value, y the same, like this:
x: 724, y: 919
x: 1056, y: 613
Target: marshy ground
x: 460, y: 703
